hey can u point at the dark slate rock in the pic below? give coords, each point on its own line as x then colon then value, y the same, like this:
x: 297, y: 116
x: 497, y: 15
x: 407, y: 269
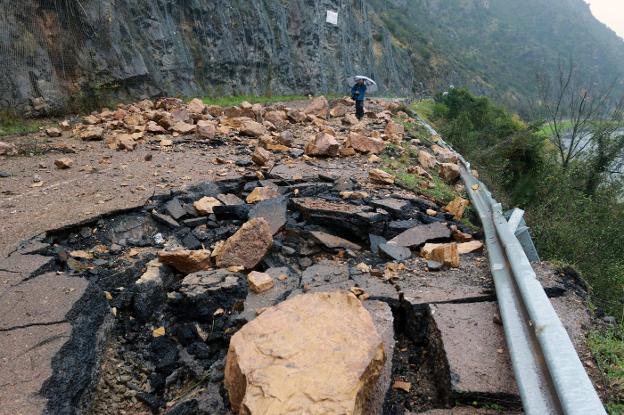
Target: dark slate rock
x: 375, y: 241
x: 191, y: 242
x: 175, y: 209
x: 193, y: 222
x: 5, y: 174
x: 395, y: 252
x: 397, y: 207
x: 230, y: 199
x: 165, y: 219
x: 232, y: 212
x: 296, y: 152
x: 244, y: 162
x: 273, y: 210
x: 149, y: 298
x: 418, y: 235
x: 165, y: 354
x: 434, y: 266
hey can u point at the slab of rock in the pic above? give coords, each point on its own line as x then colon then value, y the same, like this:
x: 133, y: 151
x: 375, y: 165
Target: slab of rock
x: 468, y: 247
x: 260, y: 282
x: 205, y: 205
x: 186, y: 261
x: 418, y: 235
x: 63, y: 163
x: 273, y: 211
x: 247, y: 246
x: 53, y: 132
x: 380, y: 176
x: 449, y: 172
x: 318, y: 106
x: 165, y: 219
x: 427, y: 160
x: 334, y: 242
x: 319, y: 353
x: 262, y: 193
x: 395, y: 252
x: 395, y: 206
x: 322, y: 144
x: 474, y: 347
x: 175, y: 209
x: 230, y: 199
x: 457, y: 207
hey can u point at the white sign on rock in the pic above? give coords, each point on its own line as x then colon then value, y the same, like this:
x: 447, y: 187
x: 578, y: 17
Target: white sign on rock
x: 332, y: 17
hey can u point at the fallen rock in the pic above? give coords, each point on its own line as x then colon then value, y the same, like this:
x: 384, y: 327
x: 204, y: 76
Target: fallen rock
x: 318, y: 106
x: 339, y: 111
x: 121, y: 142
x: 444, y: 154
x: 296, y: 117
x: 92, y: 134
x: 276, y: 117
x: 449, y: 172
x: 196, y: 106
x: 418, y: 171
x: 206, y: 129
x: 247, y: 246
x: 457, y: 207
x: 364, y: 144
x: 380, y: 176
x: 63, y: 163
x: 186, y: 261
x: 334, y: 242
x: 322, y: 144
x: 350, y: 119
x: 427, y: 160
x: 394, y: 131
x: 53, y: 132
x: 260, y: 156
x: 183, y: 127
x: 205, y: 205
x: 153, y: 127
x: 259, y: 282
x: 246, y: 126
x: 468, y: 247
x: 262, y: 193
x: 273, y: 211
x: 65, y: 125
x: 286, y: 138
x: 445, y: 254
x: 418, y: 235
x: 314, y: 353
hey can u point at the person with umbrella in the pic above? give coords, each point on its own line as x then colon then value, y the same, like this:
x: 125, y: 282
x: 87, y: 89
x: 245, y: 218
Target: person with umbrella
x: 360, y: 85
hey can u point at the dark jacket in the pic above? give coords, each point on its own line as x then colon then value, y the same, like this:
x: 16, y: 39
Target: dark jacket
x: 358, y: 92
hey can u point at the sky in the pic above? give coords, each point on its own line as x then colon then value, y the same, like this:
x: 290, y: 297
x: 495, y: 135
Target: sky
x: 610, y: 12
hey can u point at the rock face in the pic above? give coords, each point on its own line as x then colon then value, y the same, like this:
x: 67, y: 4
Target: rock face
x: 315, y: 353
x: 195, y: 48
x: 247, y: 246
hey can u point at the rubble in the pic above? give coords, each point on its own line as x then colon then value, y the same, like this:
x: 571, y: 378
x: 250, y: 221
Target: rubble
x: 449, y: 172
x: 426, y: 160
x: 380, y: 176
x: 322, y: 144
x: 457, y: 207
x: 366, y: 145
x: 260, y: 156
x: 318, y: 107
x: 259, y: 282
x: 309, y: 364
x: 53, y: 132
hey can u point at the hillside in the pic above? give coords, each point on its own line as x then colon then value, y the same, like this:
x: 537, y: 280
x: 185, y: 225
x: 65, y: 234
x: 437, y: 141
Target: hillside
x: 71, y: 55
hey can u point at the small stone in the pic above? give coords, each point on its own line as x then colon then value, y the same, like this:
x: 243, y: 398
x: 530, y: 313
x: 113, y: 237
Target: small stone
x: 446, y: 254
x: 432, y: 212
x: 374, y: 159
x: 159, y: 332
x: 183, y: 127
x: 63, y: 163
x: 65, y: 125
x: 92, y: 134
x: 259, y: 282
x: 394, y: 131
x: 468, y: 247
x: 380, y: 176
x: 334, y: 242
x: 434, y: 266
x: 247, y: 246
x: 400, y: 385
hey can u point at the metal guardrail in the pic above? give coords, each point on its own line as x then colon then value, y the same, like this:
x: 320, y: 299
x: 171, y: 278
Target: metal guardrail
x: 549, y: 374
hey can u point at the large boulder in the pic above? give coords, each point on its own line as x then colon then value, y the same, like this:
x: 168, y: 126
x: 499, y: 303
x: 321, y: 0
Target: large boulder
x: 247, y: 246
x: 246, y: 126
x: 394, y: 131
x: 318, y: 106
x: 322, y: 144
x: 449, y: 172
x: 316, y: 353
x: 363, y: 144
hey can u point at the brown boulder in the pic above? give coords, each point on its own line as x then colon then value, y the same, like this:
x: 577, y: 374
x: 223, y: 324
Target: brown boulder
x: 53, y: 132
x: 394, y: 131
x: 318, y: 106
x: 186, y: 261
x: 316, y: 353
x: 92, y: 134
x: 296, y: 116
x: 322, y: 144
x: 364, y: 144
x: 153, y: 127
x: 206, y: 129
x: 196, y: 106
x: 247, y: 246
x: 183, y: 127
x: 445, y: 254
x: 286, y: 138
x: 339, y: 111
x: 444, y: 154
x: 276, y: 117
x: 457, y: 207
x: 449, y: 172
x: 426, y: 160
x: 245, y: 126
x: 7, y: 149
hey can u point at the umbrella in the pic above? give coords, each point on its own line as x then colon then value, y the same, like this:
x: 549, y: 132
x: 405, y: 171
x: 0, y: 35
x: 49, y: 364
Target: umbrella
x: 371, y: 85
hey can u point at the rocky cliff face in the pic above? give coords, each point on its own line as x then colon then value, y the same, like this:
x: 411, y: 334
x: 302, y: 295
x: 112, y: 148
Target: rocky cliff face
x: 65, y: 54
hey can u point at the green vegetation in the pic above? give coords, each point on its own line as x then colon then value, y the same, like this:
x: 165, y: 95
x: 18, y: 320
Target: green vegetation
x: 568, y: 223
x: 608, y: 349
x: 10, y: 125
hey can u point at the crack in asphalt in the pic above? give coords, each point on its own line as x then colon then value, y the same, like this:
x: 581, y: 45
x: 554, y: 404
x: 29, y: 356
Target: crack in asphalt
x: 25, y: 326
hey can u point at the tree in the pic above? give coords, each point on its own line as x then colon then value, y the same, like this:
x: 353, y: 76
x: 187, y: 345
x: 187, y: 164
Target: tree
x: 580, y: 117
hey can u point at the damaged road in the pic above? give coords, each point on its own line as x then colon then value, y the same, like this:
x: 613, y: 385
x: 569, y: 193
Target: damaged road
x: 133, y: 311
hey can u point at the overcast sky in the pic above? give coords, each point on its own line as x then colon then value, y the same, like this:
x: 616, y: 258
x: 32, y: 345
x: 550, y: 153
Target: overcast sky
x: 610, y: 12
